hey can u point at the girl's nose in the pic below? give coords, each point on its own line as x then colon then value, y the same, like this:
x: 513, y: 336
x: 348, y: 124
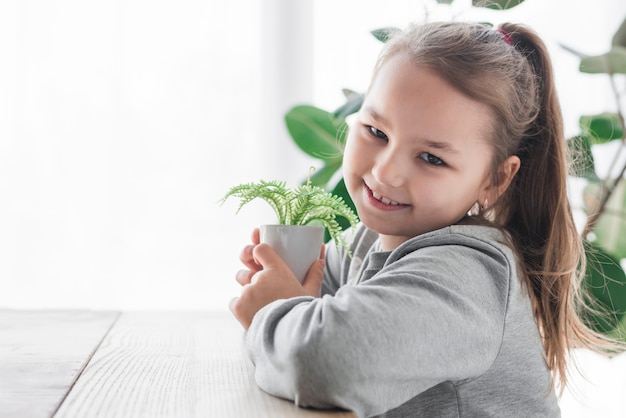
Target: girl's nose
x: 388, y: 168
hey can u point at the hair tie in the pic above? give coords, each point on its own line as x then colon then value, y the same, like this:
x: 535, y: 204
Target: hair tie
x: 506, y: 36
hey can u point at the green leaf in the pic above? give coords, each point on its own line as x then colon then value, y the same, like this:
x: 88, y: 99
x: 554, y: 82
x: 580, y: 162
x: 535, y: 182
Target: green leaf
x: 605, y: 280
x: 497, y: 4
x: 602, y: 128
x: 620, y: 332
x: 341, y: 191
x: 573, y: 51
x: 610, y: 229
x: 348, y: 92
x: 322, y: 176
x: 445, y: 1
x: 384, y: 34
x: 592, y: 195
x: 583, y: 164
x: 352, y: 105
x: 315, y: 131
x: 275, y: 193
x: 613, y: 62
x: 619, y: 38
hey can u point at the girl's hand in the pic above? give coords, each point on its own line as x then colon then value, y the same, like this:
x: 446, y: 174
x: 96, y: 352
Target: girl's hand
x: 244, y: 277
x: 270, y: 279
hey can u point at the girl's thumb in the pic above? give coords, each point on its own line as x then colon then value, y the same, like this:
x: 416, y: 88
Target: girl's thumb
x: 266, y: 256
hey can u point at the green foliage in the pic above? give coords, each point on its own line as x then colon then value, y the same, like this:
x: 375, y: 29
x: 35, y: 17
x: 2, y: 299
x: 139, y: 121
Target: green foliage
x: 610, y: 230
x: 612, y: 62
x: 604, y: 198
x: 497, y: 4
x: 315, y: 131
x: 306, y: 204
x: 619, y: 38
x: 320, y: 134
x: 383, y: 34
x: 583, y: 164
x: 605, y: 282
x: 602, y: 128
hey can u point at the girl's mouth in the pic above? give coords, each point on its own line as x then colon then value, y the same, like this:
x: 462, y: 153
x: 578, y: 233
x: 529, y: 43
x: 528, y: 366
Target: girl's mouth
x: 380, y: 201
x: 384, y: 199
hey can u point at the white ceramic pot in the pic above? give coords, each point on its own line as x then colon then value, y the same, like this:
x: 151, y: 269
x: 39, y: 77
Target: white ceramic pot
x: 299, y: 246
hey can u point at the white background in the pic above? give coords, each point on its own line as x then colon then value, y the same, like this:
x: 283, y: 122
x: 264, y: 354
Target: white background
x: 122, y: 123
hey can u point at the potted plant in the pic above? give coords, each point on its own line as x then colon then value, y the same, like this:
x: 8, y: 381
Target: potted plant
x: 303, y: 213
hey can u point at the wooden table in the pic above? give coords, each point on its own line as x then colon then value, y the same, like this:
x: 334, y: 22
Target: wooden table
x: 83, y: 364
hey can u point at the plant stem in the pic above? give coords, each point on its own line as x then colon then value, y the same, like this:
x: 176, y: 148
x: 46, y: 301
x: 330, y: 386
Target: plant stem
x: 606, y: 192
x: 593, y: 217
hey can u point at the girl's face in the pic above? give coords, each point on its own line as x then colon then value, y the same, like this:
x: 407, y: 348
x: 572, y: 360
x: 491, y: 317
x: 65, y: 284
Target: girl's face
x: 417, y: 156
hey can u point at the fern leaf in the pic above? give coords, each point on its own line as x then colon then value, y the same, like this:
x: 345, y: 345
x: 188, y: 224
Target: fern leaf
x: 275, y: 193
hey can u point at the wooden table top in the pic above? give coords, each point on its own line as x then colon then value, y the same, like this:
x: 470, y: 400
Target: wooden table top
x: 131, y: 364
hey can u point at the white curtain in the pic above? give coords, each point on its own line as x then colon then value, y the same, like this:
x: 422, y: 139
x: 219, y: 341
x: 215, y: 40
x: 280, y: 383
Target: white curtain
x: 122, y: 123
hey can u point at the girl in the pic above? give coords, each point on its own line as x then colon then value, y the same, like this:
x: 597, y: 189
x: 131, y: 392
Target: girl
x: 459, y: 298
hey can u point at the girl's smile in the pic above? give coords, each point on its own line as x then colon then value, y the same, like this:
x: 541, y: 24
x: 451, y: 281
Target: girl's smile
x: 381, y: 202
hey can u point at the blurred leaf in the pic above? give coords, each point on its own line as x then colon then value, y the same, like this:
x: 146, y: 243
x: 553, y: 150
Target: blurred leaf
x: 613, y: 62
x: 315, y: 131
x: 340, y: 190
x: 322, y: 176
x: 497, y: 4
x: 445, y: 1
x: 619, y: 38
x: 352, y: 105
x: 602, y: 128
x: 583, y: 164
x: 383, y: 34
x: 573, y: 51
x: 348, y: 92
x: 610, y: 230
x: 592, y: 195
x: 620, y: 332
x: 605, y: 280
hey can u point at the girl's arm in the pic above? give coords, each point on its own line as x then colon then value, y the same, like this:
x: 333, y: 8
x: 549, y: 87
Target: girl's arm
x: 437, y: 314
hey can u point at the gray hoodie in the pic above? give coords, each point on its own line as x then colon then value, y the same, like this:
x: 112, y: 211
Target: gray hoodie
x: 438, y: 327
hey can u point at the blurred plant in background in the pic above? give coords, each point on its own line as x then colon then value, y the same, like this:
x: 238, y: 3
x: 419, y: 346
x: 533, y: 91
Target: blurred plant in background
x: 605, y: 198
x: 321, y: 135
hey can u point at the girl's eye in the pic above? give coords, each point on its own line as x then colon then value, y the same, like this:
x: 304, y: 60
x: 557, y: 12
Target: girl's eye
x: 432, y: 159
x: 377, y: 133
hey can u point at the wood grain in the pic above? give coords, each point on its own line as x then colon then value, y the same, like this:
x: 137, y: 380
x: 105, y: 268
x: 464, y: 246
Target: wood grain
x: 41, y: 355
x: 178, y: 364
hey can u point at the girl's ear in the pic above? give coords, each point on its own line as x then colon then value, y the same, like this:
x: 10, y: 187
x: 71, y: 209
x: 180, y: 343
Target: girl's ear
x: 506, y: 172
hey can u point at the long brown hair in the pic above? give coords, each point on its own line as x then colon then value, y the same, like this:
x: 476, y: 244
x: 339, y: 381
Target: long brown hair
x: 509, y: 69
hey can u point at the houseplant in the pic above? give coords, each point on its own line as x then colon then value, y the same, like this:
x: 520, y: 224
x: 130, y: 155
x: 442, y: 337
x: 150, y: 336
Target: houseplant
x: 604, y: 198
x: 302, y: 213
x: 321, y: 135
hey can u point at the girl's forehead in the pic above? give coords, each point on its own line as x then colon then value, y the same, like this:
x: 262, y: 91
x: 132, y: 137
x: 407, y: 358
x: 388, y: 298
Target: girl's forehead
x: 415, y: 101
x: 420, y: 88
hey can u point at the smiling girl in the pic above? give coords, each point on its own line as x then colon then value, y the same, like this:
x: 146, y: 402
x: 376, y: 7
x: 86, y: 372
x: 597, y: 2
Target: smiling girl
x: 459, y: 299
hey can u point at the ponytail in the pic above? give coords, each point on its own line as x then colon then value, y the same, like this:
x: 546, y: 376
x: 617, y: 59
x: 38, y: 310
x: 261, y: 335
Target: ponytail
x: 537, y: 213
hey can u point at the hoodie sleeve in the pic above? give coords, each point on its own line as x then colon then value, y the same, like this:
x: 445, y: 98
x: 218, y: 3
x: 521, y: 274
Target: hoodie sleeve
x: 429, y: 315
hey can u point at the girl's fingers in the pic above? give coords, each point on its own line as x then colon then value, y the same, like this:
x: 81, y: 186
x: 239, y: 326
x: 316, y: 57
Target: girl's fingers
x: 247, y: 258
x: 268, y: 258
x: 243, y: 277
x: 323, y: 252
x: 256, y: 236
